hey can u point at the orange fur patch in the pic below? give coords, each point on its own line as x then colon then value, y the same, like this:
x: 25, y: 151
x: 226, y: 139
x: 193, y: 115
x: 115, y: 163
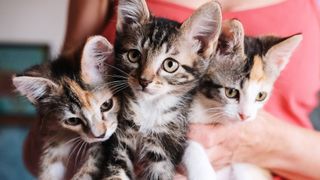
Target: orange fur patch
x: 257, y: 73
x: 82, y: 95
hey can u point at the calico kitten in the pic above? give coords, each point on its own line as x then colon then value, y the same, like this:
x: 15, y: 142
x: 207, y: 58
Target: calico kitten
x: 77, y: 109
x: 162, y: 61
x: 241, y: 76
x: 239, y: 82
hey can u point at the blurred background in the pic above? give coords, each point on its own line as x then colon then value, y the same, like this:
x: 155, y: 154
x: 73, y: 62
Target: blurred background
x: 31, y: 32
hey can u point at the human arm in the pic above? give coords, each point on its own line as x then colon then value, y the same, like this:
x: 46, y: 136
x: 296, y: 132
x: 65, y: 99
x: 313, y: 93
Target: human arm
x: 85, y: 18
x: 268, y: 142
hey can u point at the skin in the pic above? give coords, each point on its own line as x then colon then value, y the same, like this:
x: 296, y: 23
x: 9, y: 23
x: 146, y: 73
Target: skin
x: 228, y: 5
x: 291, y: 153
x: 85, y: 18
x: 285, y: 149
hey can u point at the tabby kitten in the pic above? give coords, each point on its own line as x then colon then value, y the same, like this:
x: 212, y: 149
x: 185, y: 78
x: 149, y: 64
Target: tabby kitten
x: 239, y: 82
x: 77, y: 109
x: 162, y: 61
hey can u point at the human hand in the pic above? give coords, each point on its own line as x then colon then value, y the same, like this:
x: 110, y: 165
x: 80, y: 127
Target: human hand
x: 250, y: 142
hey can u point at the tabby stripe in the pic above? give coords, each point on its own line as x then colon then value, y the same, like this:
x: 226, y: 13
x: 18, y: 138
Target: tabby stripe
x: 72, y: 96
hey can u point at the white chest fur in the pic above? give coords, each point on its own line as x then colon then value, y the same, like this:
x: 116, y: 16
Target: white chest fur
x: 152, y: 115
x: 199, y: 114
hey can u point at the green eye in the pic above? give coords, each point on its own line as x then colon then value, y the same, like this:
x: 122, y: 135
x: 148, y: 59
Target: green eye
x: 73, y: 121
x: 170, y: 65
x: 133, y: 55
x: 261, y: 96
x: 232, y: 93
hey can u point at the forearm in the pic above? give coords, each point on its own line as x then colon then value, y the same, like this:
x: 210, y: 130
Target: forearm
x: 296, y: 152
x: 85, y: 18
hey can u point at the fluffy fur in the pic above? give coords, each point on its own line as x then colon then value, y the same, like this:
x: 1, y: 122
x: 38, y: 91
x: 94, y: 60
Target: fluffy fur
x: 159, y: 63
x: 77, y: 109
x: 239, y: 82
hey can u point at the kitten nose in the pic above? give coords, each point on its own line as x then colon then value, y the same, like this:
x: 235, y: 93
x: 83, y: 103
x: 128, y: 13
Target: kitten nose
x: 144, y: 82
x: 243, y: 116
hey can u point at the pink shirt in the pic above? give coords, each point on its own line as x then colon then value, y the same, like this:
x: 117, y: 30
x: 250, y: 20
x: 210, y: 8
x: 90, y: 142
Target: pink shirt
x: 294, y: 95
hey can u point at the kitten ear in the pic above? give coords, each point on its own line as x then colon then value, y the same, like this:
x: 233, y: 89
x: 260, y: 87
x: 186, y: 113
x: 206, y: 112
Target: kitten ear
x: 33, y: 87
x: 97, y: 54
x: 132, y: 12
x: 202, y: 29
x: 278, y: 56
x: 231, y: 39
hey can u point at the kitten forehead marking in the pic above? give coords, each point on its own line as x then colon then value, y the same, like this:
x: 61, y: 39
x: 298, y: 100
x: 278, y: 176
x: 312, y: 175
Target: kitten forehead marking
x: 83, y: 96
x: 257, y: 73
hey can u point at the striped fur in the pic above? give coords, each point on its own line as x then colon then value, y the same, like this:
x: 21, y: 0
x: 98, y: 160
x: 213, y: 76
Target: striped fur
x: 156, y: 101
x: 71, y: 98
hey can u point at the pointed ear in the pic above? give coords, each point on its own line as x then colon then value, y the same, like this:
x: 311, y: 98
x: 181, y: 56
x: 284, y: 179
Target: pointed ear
x: 33, y: 87
x: 231, y: 39
x: 97, y: 56
x: 132, y: 12
x: 202, y: 29
x: 278, y: 56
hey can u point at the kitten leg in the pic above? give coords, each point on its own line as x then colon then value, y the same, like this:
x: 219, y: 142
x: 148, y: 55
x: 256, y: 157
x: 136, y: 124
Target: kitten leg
x: 52, y: 162
x: 119, y: 166
x: 155, y: 162
x: 196, y: 162
x: 90, y: 170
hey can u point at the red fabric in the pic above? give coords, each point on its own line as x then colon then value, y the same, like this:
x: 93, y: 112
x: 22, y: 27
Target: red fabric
x: 294, y: 95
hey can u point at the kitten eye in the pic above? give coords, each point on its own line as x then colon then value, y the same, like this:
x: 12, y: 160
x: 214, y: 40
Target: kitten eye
x: 261, y: 96
x: 106, y: 106
x: 133, y: 55
x: 73, y: 121
x: 170, y: 65
x: 232, y: 93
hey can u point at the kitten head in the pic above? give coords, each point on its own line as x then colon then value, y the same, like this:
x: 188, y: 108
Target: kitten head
x: 161, y: 56
x: 241, y: 76
x: 70, y: 94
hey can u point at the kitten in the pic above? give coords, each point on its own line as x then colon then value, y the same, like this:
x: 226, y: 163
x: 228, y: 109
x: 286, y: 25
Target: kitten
x: 161, y: 61
x: 77, y: 109
x: 239, y: 82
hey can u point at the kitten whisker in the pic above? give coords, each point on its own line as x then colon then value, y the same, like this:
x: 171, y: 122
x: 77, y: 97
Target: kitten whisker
x: 74, y: 149
x: 72, y: 140
x: 118, y: 76
x: 79, y: 150
x: 216, y: 115
x: 85, y: 150
x: 119, y: 89
x: 117, y: 81
x: 114, y: 87
x: 118, y: 69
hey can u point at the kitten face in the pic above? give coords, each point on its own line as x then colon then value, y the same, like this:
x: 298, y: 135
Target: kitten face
x: 161, y: 56
x: 92, y: 113
x: 241, y: 76
x: 242, y: 93
x: 72, y: 97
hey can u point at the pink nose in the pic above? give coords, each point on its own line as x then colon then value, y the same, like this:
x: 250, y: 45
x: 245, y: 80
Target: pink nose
x: 243, y: 117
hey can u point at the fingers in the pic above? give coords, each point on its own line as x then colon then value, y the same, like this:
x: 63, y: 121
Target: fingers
x: 219, y: 156
x: 204, y: 134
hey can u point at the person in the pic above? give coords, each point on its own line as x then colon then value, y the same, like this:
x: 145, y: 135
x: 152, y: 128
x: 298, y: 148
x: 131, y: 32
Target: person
x: 281, y: 139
